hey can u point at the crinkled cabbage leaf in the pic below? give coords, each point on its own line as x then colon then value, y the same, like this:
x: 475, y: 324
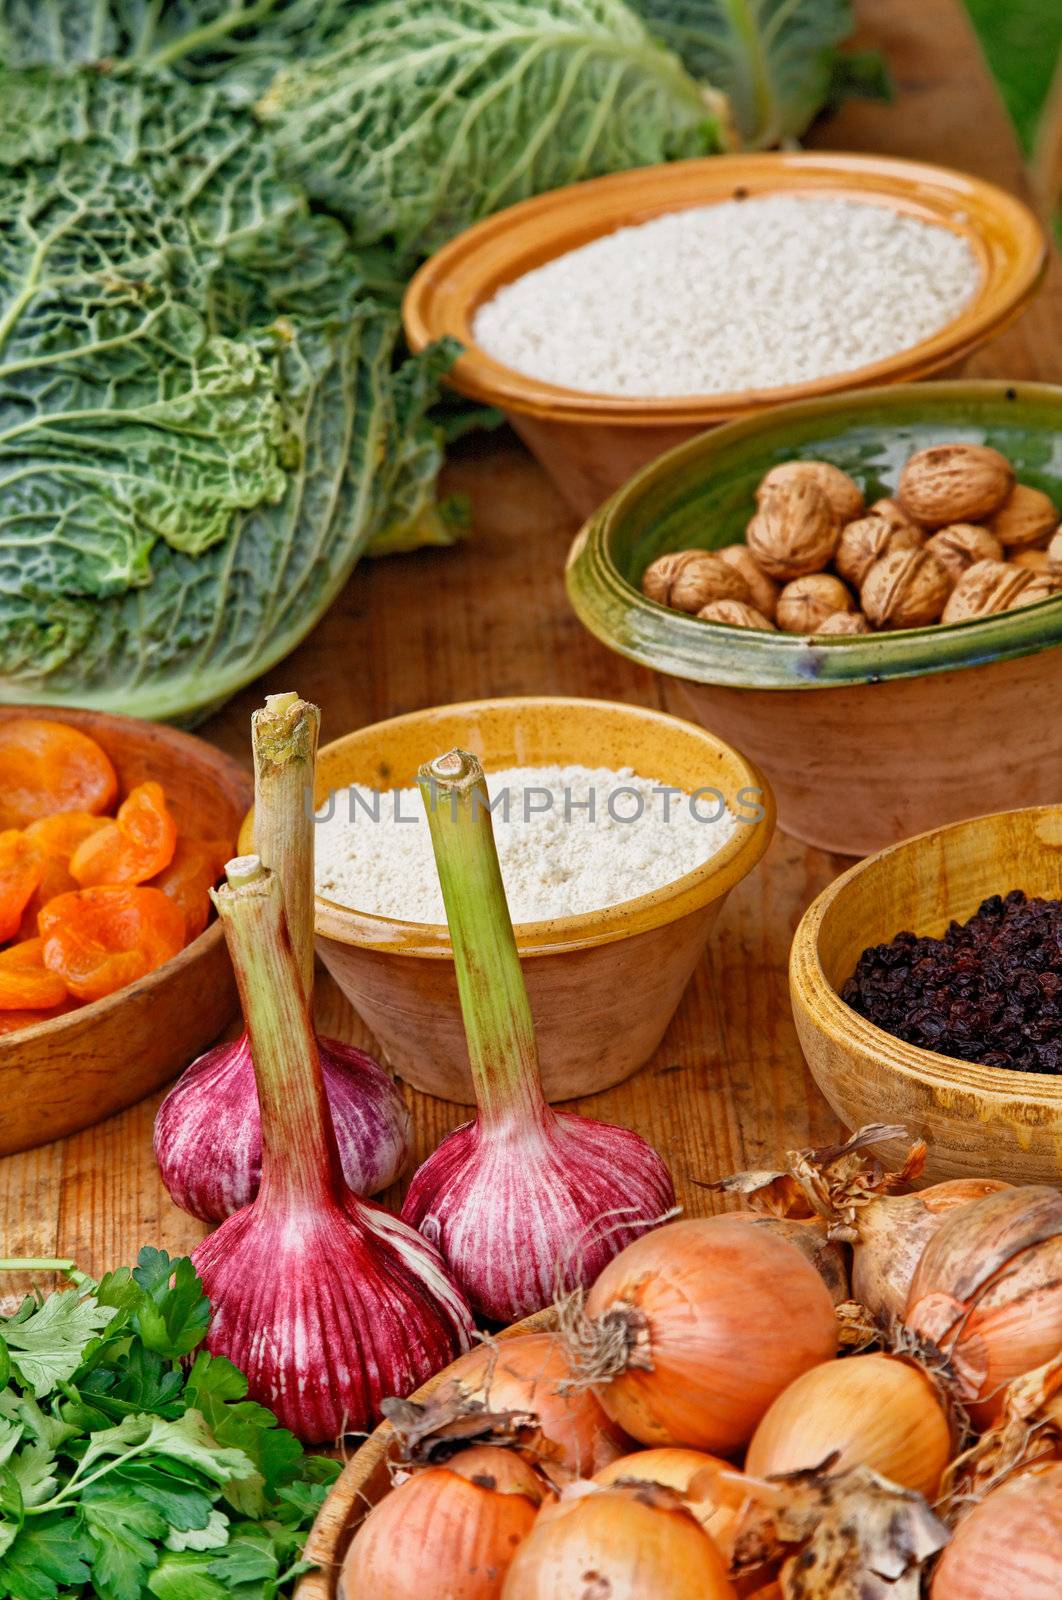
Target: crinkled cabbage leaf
x: 773, y: 59
x: 426, y: 115
x: 200, y: 424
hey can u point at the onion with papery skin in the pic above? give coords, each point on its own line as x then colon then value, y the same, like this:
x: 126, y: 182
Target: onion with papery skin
x: 673, y: 1467
x: 525, y: 1373
x: 692, y: 1332
x: 449, y: 1530
x: 326, y: 1303
x: 988, y: 1292
x: 622, y: 1543
x: 893, y: 1231
x: 524, y: 1199
x: 877, y: 1411
x: 208, y: 1139
x: 1010, y: 1546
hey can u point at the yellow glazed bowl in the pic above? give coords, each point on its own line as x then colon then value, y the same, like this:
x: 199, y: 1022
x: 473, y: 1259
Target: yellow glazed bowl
x: 603, y: 986
x: 591, y: 443
x: 977, y: 1120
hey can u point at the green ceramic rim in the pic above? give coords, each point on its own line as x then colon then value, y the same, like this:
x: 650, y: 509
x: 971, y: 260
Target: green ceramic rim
x: 701, y: 494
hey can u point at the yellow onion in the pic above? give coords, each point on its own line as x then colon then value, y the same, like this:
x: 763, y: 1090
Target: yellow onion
x: 988, y: 1292
x: 525, y: 1373
x: 692, y: 1331
x: 448, y: 1530
x: 877, y: 1411
x: 676, y: 1468
x: 893, y: 1231
x: 1010, y: 1546
x: 623, y: 1543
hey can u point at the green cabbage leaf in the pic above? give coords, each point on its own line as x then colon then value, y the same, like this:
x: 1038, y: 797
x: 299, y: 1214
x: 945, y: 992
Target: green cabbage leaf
x: 773, y: 59
x: 426, y: 115
x: 201, y: 427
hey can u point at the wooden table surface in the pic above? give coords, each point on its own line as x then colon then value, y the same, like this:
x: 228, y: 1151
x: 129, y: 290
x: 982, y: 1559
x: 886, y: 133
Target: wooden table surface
x: 728, y: 1086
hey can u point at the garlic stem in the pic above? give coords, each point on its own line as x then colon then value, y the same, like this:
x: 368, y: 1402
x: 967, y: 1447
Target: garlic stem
x: 284, y: 737
x: 300, y: 1158
x: 497, y: 1016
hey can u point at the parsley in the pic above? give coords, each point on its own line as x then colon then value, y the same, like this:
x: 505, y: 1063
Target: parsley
x: 125, y: 1473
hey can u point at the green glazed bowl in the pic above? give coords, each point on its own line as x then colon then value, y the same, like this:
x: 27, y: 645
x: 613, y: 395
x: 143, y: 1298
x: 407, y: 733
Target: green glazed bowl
x: 976, y: 731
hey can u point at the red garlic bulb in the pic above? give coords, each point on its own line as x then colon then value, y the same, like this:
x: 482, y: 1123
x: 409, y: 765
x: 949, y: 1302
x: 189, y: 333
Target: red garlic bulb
x: 525, y: 1199
x: 326, y: 1303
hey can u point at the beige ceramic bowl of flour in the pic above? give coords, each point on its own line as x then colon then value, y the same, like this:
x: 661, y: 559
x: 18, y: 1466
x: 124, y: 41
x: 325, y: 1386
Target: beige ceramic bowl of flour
x: 603, y: 984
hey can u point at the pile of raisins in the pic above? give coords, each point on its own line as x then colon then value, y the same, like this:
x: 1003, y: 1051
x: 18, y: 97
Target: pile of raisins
x: 989, y: 991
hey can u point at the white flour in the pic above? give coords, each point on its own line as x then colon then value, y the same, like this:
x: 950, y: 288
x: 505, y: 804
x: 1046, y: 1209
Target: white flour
x: 555, y: 861
x: 748, y: 294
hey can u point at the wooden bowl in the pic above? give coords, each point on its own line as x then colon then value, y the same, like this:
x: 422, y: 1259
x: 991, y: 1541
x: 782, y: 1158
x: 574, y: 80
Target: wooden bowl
x: 591, y: 443
x: 603, y: 986
x: 364, y: 1481
x: 868, y: 739
x: 977, y: 1120
x: 75, y: 1070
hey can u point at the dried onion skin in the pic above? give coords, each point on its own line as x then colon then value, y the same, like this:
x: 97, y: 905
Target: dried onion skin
x: 1010, y: 1546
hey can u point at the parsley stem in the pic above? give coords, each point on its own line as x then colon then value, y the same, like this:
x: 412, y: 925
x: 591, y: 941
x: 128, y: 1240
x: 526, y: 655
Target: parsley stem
x: 34, y: 1264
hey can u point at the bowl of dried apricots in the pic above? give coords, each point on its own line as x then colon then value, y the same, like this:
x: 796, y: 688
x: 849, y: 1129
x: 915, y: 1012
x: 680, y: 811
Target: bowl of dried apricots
x: 113, y: 974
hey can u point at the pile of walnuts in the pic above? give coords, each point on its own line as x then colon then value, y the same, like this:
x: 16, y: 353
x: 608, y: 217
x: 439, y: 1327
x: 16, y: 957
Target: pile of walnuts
x: 961, y: 539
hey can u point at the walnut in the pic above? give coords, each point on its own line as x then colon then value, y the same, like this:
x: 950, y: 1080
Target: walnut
x: 957, y: 547
x: 805, y: 603
x: 687, y: 579
x: 869, y: 539
x: 1054, y: 553
x: 794, y: 532
x: 1042, y: 587
x: 987, y: 587
x: 843, y: 493
x: 1032, y: 560
x: 954, y: 483
x: 736, y: 614
x: 845, y: 622
x: 907, y: 589
x: 1026, y: 517
x: 892, y: 512
x: 763, y: 591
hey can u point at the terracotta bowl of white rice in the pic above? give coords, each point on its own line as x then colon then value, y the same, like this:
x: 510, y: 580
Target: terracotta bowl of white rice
x: 620, y: 831
x: 614, y: 319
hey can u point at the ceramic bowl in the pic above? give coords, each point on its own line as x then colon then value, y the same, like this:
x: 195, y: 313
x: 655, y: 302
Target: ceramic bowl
x: 869, y: 739
x: 603, y: 986
x: 591, y: 443
x: 977, y: 1120
x: 74, y: 1070
x: 365, y: 1480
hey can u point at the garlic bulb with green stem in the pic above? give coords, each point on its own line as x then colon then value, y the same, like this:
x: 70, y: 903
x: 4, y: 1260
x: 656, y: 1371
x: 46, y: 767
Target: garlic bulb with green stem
x: 524, y: 1200
x: 326, y: 1303
x: 207, y: 1137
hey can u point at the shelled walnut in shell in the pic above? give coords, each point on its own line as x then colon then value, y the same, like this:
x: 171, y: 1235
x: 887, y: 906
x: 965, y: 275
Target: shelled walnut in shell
x: 959, y: 538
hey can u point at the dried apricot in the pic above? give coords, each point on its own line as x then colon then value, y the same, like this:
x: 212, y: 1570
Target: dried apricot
x: 102, y: 938
x: 21, y: 865
x: 136, y: 846
x: 49, y: 766
x: 195, y: 868
x: 58, y: 836
x: 25, y: 982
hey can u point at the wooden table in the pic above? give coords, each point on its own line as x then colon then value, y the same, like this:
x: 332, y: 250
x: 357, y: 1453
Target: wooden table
x: 728, y: 1087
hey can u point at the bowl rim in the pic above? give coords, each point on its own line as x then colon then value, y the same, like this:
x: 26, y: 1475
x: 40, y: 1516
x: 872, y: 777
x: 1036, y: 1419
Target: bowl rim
x: 84, y: 1016
x: 812, y: 992
x: 442, y: 294
x: 694, y: 890
x: 747, y: 658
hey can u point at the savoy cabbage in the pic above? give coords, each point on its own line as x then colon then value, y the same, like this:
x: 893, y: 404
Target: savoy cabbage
x: 424, y: 115
x: 200, y: 427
